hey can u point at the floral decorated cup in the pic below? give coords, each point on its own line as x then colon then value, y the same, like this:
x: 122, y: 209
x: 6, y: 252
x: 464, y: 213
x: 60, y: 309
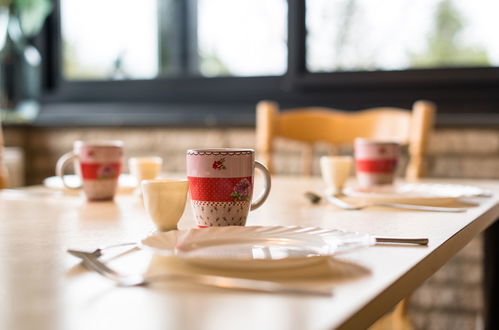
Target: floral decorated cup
x: 99, y: 166
x: 221, y: 185
x: 375, y: 162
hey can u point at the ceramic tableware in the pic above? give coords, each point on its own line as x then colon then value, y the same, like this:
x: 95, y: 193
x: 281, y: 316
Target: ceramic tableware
x: 126, y: 183
x: 335, y: 171
x: 144, y: 168
x: 253, y: 247
x: 417, y: 193
x: 98, y: 164
x: 221, y: 185
x: 164, y: 200
x: 261, y: 247
x: 375, y: 162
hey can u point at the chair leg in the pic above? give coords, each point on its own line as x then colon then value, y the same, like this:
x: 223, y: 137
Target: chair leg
x: 308, y: 153
x: 395, y: 320
x: 4, y: 179
x: 401, y: 318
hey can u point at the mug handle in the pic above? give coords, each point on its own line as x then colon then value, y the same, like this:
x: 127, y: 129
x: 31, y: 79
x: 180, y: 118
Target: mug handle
x: 266, y: 190
x: 61, y: 165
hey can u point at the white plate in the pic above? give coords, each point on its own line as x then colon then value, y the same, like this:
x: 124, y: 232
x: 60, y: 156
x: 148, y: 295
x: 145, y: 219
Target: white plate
x: 417, y: 192
x: 254, y: 247
x: 126, y: 183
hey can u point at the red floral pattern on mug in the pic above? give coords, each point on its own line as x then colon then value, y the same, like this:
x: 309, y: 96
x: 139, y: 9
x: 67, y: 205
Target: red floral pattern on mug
x: 219, y: 164
x: 106, y: 172
x: 242, y: 191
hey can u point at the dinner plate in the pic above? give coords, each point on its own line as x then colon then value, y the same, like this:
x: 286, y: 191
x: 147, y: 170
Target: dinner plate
x: 254, y: 247
x: 417, y: 192
x: 126, y: 183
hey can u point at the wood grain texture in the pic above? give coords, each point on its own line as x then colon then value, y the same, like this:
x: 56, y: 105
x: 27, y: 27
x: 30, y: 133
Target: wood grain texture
x: 3, y: 169
x: 44, y: 288
x: 423, y: 120
x: 336, y: 127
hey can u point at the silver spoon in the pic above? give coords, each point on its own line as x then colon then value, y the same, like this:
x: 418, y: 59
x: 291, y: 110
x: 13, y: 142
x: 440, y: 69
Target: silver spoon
x: 98, y: 252
x: 93, y: 263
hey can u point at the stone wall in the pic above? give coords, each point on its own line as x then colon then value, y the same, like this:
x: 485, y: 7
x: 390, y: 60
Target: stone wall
x: 451, y: 299
x: 44, y: 146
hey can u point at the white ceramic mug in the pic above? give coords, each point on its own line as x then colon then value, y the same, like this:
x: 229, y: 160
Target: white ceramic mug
x: 98, y: 164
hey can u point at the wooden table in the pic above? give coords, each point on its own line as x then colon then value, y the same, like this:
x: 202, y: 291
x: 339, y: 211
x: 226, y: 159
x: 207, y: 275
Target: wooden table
x: 42, y: 287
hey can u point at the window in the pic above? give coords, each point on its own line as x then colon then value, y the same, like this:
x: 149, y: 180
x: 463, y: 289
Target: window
x: 241, y: 38
x: 125, y: 48
x: 167, y: 38
x: 209, y: 55
x: 349, y: 35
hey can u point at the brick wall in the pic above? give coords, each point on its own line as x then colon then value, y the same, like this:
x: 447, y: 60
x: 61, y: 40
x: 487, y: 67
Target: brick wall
x: 451, y: 299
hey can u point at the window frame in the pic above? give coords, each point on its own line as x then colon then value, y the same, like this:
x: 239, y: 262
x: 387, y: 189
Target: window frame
x: 455, y: 90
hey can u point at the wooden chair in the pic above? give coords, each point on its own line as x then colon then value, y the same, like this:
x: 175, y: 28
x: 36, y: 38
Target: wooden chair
x: 335, y: 127
x: 3, y: 169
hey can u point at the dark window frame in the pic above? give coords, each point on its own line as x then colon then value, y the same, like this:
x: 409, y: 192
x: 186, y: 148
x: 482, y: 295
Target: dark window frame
x: 455, y: 90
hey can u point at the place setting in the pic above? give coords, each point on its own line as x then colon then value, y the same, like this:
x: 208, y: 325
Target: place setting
x: 222, y: 251
x: 376, y: 184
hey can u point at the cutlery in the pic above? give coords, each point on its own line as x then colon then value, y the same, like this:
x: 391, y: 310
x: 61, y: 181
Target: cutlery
x: 98, y: 251
x: 335, y: 200
x: 400, y: 240
x: 91, y: 262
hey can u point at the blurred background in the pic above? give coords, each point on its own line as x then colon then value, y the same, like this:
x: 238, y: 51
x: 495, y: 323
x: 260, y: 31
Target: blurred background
x: 168, y: 75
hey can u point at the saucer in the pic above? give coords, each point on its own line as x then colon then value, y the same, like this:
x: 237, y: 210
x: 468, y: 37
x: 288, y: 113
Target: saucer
x: 425, y: 193
x: 126, y: 182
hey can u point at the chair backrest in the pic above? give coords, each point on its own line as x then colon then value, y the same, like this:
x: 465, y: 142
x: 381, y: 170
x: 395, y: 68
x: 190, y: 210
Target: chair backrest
x: 336, y: 127
x: 3, y: 169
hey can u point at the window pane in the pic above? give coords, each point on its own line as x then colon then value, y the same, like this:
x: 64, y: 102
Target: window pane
x: 130, y: 39
x: 242, y: 38
x: 358, y: 35
x: 109, y: 39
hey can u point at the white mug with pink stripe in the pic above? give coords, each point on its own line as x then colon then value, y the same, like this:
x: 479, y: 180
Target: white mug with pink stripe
x: 375, y: 162
x: 98, y: 164
x: 221, y: 185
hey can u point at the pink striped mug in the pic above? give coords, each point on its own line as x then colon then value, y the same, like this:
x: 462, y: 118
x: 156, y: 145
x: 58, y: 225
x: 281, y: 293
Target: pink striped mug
x: 375, y: 162
x: 98, y: 164
x: 221, y: 185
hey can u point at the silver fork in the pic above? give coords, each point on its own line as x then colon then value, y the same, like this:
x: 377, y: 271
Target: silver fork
x: 93, y: 263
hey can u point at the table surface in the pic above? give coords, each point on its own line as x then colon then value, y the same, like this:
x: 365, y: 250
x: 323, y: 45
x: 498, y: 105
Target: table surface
x: 43, y: 287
